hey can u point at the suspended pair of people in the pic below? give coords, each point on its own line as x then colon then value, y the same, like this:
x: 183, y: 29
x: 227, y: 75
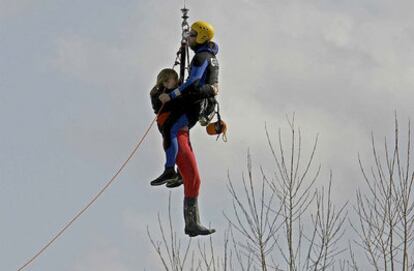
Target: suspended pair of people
x: 178, y: 109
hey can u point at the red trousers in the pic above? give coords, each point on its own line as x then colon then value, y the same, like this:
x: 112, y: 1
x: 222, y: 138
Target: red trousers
x: 187, y: 165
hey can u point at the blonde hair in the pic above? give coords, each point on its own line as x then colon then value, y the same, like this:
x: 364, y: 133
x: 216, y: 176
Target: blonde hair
x: 164, y: 75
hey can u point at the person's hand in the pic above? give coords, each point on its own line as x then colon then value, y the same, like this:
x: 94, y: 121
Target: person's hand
x: 215, y: 88
x: 164, y: 98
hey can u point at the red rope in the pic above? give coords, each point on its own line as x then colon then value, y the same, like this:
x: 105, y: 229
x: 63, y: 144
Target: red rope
x: 68, y: 224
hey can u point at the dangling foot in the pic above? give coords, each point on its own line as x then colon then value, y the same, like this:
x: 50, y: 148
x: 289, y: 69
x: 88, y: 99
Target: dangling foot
x: 176, y: 182
x: 192, y: 219
x: 169, y: 174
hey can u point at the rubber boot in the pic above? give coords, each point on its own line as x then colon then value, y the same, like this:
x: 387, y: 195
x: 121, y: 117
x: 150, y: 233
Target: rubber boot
x: 176, y: 182
x: 192, y: 219
x: 169, y: 174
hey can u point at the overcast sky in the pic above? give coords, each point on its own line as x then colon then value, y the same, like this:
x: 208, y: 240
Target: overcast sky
x: 74, y: 83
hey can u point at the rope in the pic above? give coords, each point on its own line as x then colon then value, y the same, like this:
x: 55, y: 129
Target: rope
x: 68, y: 224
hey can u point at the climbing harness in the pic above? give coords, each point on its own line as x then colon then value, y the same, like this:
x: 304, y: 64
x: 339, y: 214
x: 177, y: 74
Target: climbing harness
x: 207, y: 110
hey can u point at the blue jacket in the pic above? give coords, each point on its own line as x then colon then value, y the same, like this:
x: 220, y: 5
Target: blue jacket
x: 204, y: 70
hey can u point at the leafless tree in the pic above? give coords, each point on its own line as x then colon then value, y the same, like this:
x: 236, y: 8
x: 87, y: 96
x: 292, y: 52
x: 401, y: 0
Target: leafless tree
x: 170, y: 250
x: 272, y: 219
x: 328, y: 229
x: 175, y: 257
x: 254, y: 218
x: 386, y: 211
x: 209, y: 261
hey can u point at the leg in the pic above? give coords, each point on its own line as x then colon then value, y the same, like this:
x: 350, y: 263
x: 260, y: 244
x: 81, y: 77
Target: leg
x: 181, y: 145
x: 169, y: 131
x: 188, y: 167
x: 172, y: 151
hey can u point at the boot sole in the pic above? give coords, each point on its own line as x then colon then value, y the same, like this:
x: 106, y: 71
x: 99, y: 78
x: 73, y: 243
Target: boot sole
x: 161, y: 183
x: 192, y: 234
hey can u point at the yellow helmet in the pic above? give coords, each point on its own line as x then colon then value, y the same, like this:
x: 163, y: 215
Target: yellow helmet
x: 205, y: 31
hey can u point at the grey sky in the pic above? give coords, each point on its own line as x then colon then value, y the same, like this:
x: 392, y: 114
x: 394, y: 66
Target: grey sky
x: 74, y: 83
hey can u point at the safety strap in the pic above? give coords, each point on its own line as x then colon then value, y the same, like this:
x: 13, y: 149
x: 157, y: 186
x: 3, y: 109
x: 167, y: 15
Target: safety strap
x: 182, y: 56
x: 220, y: 126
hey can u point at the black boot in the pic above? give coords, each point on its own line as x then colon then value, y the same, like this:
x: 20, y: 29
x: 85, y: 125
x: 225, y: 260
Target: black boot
x: 192, y: 219
x: 176, y: 182
x: 169, y: 174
